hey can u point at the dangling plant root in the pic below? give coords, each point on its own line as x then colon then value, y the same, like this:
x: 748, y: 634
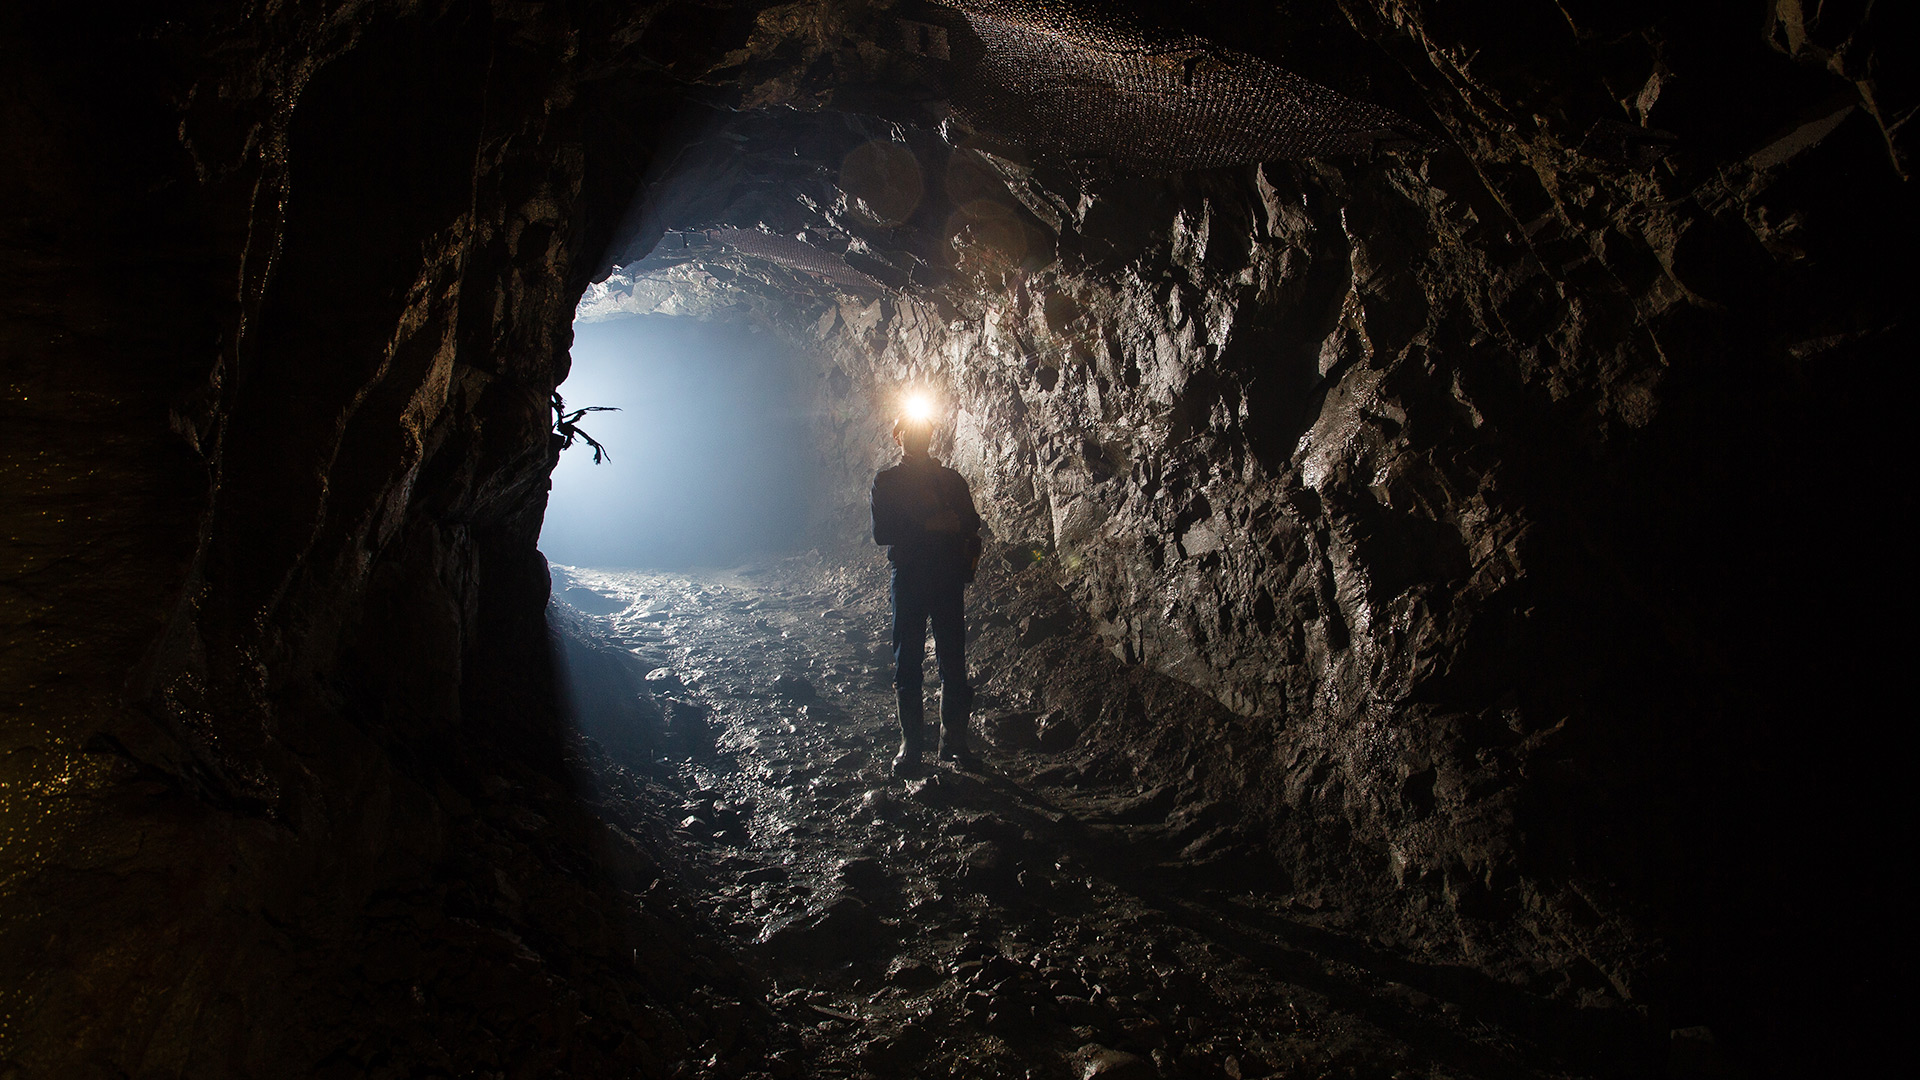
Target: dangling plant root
x: 567, y: 426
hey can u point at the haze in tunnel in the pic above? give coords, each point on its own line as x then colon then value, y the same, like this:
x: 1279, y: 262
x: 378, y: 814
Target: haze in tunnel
x: 707, y: 462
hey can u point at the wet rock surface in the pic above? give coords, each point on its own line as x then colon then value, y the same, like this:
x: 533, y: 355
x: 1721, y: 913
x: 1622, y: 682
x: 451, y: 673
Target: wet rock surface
x: 1497, y: 534
x: 1456, y: 475
x: 1044, y: 914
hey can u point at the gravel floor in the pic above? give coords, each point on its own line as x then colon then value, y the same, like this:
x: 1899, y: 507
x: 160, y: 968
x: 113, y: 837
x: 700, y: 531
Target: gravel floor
x: 1037, y: 916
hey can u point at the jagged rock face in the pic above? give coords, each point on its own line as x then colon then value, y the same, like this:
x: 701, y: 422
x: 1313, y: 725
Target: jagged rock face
x: 1443, y: 471
x: 1271, y: 436
x: 1455, y: 473
x: 288, y: 292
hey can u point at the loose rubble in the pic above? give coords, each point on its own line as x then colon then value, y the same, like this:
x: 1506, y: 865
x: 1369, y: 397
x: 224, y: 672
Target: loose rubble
x: 1036, y: 917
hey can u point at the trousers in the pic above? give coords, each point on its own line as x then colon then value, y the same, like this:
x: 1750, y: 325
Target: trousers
x: 919, y: 599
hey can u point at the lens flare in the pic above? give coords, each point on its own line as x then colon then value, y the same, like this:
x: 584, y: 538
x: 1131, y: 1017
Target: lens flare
x: 917, y: 408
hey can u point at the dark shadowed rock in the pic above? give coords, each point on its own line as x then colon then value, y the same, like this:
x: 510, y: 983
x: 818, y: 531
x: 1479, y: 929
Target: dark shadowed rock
x: 1056, y: 731
x: 1011, y: 731
x: 863, y: 875
x: 1096, y: 1062
x: 1454, y: 437
x: 912, y: 973
x: 795, y: 687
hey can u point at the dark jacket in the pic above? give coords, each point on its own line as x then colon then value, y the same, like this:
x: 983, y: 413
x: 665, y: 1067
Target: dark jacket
x: 905, y: 497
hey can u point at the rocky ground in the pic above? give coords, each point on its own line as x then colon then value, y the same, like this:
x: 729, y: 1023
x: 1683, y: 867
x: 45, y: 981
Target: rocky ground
x: 1056, y: 911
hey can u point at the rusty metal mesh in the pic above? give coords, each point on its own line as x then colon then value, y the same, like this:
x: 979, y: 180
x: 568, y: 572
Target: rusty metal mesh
x: 1042, y: 73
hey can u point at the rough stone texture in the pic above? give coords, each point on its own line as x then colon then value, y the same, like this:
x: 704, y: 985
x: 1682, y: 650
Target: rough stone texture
x: 286, y: 293
x: 1465, y: 477
x: 1526, y: 500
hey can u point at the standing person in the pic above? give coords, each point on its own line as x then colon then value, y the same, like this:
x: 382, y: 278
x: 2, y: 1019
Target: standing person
x: 923, y: 513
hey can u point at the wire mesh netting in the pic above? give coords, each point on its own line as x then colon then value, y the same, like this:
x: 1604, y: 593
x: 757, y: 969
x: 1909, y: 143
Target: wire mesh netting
x: 1061, y: 80
x: 1046, y: 75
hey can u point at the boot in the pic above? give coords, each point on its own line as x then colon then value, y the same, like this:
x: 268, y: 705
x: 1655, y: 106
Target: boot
x: 913, y: 723
x: 956, y: 704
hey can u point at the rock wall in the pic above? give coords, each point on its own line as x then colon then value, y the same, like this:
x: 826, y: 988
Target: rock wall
x: 287, y: 292
x: 1525, y: 498
x: 1467, y: 478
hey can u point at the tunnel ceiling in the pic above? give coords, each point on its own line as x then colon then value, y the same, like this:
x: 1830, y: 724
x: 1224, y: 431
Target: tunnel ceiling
x: 919, y: 152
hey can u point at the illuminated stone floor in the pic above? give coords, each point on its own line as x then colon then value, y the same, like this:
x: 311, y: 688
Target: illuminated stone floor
x: 1040, y: 916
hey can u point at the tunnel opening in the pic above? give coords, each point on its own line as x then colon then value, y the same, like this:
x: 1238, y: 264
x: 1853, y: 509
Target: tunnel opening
x: 708, y: 460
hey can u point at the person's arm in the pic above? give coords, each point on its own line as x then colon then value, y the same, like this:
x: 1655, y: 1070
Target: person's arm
x: 883, y: 530
x: 971, y: 544
x: 890, y: 526
x: 969, y: 517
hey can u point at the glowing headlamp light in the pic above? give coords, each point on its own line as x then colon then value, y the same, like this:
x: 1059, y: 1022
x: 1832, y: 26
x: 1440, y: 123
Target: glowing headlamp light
x: 917, y: 408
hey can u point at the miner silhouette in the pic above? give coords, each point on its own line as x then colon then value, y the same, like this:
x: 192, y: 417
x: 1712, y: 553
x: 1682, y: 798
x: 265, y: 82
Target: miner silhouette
x: 923, y: 513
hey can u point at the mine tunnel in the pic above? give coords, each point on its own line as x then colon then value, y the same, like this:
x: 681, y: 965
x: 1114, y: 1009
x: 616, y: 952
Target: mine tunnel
x: 1439, y: 472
